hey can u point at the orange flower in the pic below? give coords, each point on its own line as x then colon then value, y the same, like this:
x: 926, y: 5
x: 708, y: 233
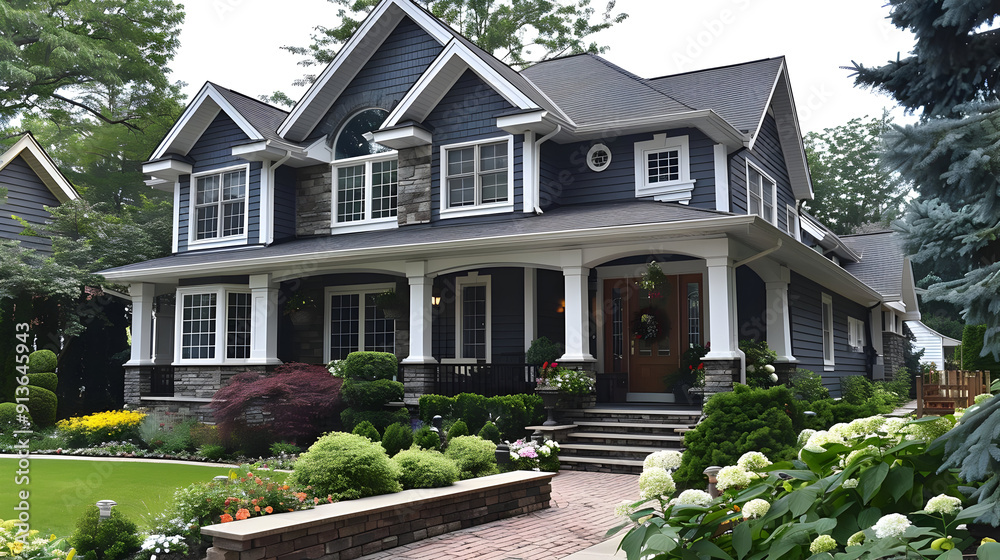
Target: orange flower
x: 258, y: 481
x: 301, y: 496
x: 256, y: 508
x: 285, y: 487
x: 736, y: 508
x: 254, y: 501
x: 226, y: 518
x: 242, y: 514
x: 269, y: 509
x: 315, y: 500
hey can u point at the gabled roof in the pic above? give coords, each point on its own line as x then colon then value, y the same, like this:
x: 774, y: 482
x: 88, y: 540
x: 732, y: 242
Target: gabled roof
x: 43, y: 166
x: 883, y: 266
x: 256, y: 119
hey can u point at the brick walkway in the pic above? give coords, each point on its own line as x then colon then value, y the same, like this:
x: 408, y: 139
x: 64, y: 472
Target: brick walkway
x: 582, y: 511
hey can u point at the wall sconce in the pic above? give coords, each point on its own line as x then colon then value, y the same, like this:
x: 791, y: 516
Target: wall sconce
x: 435, y: 300
x: 562, y: 306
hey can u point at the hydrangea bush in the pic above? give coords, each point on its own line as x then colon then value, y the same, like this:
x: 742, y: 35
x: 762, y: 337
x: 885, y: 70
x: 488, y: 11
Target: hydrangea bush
x: 857, y: 490
x: 528, y: 455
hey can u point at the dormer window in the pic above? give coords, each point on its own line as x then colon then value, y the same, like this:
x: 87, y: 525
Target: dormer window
x: 663, y: 169
x: 220, y: 205
x: 760, y: 193
x: 365, y: 176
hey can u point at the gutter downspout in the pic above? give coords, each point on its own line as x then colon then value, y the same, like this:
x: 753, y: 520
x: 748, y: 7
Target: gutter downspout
x: 270, y: 181
x: 536, y: 171
x: 752, y: 258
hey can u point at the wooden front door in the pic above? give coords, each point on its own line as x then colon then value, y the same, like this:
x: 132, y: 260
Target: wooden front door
x: 647, y: 331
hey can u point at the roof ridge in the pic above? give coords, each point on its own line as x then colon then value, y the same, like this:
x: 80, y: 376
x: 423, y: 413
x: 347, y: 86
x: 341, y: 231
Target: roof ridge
x: 245, y: 96
x: 733, y: 65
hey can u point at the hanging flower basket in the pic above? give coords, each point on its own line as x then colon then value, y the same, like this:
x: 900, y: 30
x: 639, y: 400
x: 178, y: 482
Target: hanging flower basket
x: 653, y: 279
x: 392, y: 305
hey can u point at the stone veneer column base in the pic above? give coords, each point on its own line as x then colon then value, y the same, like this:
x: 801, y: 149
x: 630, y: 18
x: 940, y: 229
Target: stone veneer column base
x: 418, y: 380
x: 137, y: 383
x: 720, y: 375
x: 785, y: 370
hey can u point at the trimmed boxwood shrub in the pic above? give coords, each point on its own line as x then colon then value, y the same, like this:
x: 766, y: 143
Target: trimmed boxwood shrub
x: 474, y: 456
x: 366, y: 429
x: 511, y: 412
x: 436, y: 405
x: 114, y: 538
x: 371, y: 394
x: 490, y: 433
x: 764, y: 420
x: 369, y: 366
x: 42, y: 403
x: 425, y: 438
x: 381, y: 419
x: 345, y: 467
x: 44, y: 380
x: 42, y: 360
x: 8, y: 414
x: 421, y: 468
x: 396, y: 438
x: 855, y: 389
x: 458, y: 429
x: 542, y: 350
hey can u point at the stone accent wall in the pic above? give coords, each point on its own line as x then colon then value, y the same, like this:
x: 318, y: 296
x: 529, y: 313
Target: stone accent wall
x: 193, y: 409
x: 418, y: 379
x: 355, y: 528
x: 893, y: 346
x: 136, y: 383
x: 414, y: 190
x: 313, y: 197
x: 204, y: 381
x: 720, y: 375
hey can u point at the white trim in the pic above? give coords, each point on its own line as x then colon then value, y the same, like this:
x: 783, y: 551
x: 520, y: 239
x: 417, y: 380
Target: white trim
x: 221, y: 292
x: 792, y: 222
x: 812, y: 229
x: 168, y: 169
x: 207, y: 93
x: 416, y: 99
x: 472, y: 279
x: 476, y: 209
x: 367, y: 223
x: 707, y: 120
x: 590, y: 157
x: 361, y: 290
x: 827, y: 334
x: 774, y: 193
x: 177, y: 218
x: 721, y: 160
x: 530, y: 181
x: 403, y: 137
x: 218, y: 241
x: 429, y: 24
x: 266, y: 217
x: 530, y: 306
x: 678, y: 190
x: 855, y: 334
x: 43, y: 166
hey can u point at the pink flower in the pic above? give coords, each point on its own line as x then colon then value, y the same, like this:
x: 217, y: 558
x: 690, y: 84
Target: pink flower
x: 528, y: 452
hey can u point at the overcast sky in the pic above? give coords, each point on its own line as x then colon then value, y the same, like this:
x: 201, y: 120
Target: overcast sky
x: 235, y: 43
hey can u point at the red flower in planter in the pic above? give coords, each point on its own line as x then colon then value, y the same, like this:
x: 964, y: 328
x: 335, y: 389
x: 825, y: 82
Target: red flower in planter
x: 225, y: 518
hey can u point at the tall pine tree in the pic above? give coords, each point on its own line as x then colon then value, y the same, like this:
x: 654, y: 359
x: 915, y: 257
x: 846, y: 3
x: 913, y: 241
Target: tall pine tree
x: 952, y: 155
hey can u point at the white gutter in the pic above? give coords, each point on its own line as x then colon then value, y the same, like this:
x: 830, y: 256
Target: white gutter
x: 536, y: 168
x: 763, y: 253
x: 270, y: 203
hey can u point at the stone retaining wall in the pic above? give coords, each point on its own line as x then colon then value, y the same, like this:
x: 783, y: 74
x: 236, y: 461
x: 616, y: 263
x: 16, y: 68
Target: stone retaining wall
x: 355, y: 528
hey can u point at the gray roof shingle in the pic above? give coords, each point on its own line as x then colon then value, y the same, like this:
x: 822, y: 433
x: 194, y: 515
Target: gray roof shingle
x: 263, y: 117
x: 882, y: 262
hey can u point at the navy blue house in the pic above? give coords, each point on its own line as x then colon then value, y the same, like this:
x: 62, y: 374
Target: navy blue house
x: 500, y: 206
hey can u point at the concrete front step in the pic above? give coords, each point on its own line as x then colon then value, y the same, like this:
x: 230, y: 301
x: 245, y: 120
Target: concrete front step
x: 636, y: 416
x: 657, y: 439
x: 600, y: 464
x: 628, y: 426
x: 599, y: 450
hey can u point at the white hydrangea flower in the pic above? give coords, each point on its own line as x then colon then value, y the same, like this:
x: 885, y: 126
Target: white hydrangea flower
x: 866, y: 426
x: 666, y: 459
x: 624, y: 509
x: 857, y: 454
x: 850, y: 483
x: 818, y: 441
x: 892, y: 525
x: 804, y: 436
x: 857, y: 539
x: 655, y: 482
x: 943, y: 503
x: 822, y: 543
x: 732, y: 477
x: 755, y: 508
x: 893, y: 426
x: 694, y: 497
x: 980, y: 398
x: 841, y: 429
x: 774, y: 377
x: 753, y: 461
x: 769, y: 369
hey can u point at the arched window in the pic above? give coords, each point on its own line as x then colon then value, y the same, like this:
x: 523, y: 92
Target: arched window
x: 352, y: 141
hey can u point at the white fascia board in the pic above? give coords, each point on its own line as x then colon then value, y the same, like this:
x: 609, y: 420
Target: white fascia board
x: 403, y: 137
x: 43, y: 166
x: 763, y: 114
x: 207, y: 94
x: 167, y: 169
x: 268, y: 150
x: 798, y: 159
x: 540, y: 122
x: 812, y: 229
x: 706, y: 120
x: 452, y: 52
x: 160, y: 184
x: 432, y: 26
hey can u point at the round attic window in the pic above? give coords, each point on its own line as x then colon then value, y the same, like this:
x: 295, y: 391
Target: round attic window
x: 599, y: 157
x: 355, y: 138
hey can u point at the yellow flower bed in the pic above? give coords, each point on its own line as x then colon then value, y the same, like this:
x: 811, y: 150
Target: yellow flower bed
x: 17, y: 544
x: 102, y: 426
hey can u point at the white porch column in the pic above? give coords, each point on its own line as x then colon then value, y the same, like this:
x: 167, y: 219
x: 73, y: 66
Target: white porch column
x: 420, y: 314
x: 530, y: 306
x: 722, y: 309
x: 163, y: 344
x: 779, y: 332
x: 264, y: 317
x: 577, y: 315
x: 142, y: 324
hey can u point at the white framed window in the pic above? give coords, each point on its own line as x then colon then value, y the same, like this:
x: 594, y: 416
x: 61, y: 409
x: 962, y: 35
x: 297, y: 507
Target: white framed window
x: 761, y: 193
x: 219, y: 206
x: 663, y: 169
x: 598, y: 157
x: 364, y: 192
x: 827, y: 318
x: 856, y: 334
x: 792, y: 222
x: 215, y: 325
x: 353, y: 323
x: 473, y: 319
x: 477, y: 178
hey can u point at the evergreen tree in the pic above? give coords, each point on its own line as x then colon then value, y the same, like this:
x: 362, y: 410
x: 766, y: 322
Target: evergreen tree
x: 952, y: 155
x: 852, y: 188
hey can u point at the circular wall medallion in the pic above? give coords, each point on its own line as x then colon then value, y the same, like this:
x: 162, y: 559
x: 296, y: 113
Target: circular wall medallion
x: 599, y: 157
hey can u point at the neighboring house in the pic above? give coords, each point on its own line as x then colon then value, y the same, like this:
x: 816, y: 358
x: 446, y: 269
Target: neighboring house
x: 31, y: 181
x: 503, y: 206
x: 938, y: 348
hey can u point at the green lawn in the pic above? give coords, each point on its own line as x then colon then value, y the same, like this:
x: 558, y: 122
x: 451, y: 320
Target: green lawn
x: 60, y: 489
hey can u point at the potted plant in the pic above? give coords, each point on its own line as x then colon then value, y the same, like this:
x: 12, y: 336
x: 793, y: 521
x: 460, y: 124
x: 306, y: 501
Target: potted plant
x: 689, y: 380
x: 393, y: 306
x: 572, y: 388
x: 299, y: 308
x: 653, y: 278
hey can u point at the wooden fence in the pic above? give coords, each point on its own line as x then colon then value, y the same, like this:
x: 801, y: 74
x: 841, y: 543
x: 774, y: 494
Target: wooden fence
x: 941, y: 392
